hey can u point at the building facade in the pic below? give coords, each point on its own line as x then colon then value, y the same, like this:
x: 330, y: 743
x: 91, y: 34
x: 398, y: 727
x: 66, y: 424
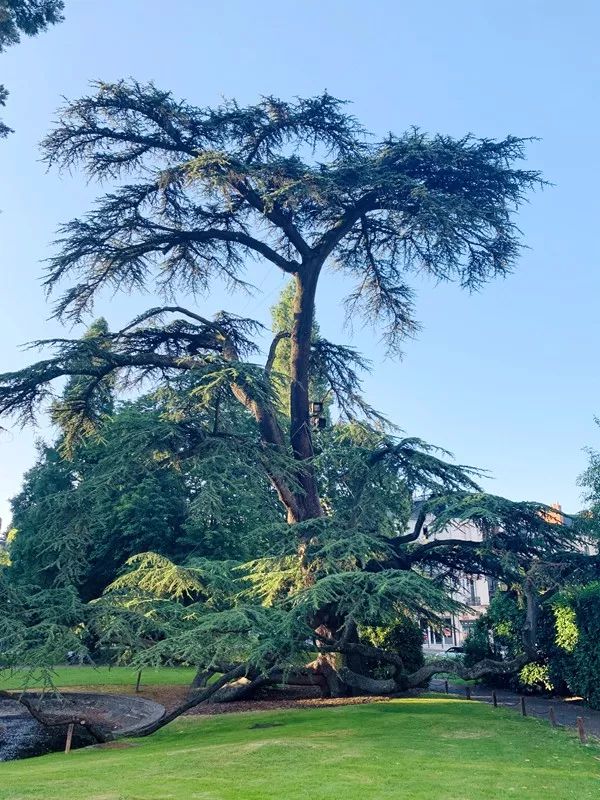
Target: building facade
x: 472, y: 591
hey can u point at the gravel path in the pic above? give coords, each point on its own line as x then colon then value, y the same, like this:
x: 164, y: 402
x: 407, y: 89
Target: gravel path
x: 566, y: 710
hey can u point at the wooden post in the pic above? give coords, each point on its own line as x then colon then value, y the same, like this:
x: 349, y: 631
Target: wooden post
x: 495, y: 698
x: 468, y: 691
x: 137, y: 683
x: 69, y: 737
x: 523, y: 709
x: 581, y: 730
x: 552, y: 716
x: 446, y: 686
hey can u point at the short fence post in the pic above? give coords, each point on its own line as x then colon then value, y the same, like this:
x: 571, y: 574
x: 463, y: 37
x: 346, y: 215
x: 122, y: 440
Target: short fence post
x: 523, y: 709
x: 495, y: 698
x: 552, y: 716
x: 137, y: 684
x: 581, y: 730
x: 446, y: 686
x: 468, y: 692
x: 69, y: 737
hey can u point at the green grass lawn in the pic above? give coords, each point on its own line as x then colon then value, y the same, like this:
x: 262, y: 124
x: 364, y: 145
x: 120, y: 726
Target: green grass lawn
x: 433, y: 748
x: 93, y: 677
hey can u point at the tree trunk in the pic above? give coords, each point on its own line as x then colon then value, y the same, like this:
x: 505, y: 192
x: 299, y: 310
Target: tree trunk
x: 300, y: 434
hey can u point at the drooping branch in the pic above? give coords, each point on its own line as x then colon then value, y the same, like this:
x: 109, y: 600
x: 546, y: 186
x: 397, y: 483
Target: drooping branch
x: 111, y: 254
x: 337, y: 367
x: 105, y: 734
x: 208, y: 349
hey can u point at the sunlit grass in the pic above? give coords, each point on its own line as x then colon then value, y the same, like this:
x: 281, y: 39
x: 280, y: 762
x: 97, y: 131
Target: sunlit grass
x: 97, y: 677
x: 414, y: 749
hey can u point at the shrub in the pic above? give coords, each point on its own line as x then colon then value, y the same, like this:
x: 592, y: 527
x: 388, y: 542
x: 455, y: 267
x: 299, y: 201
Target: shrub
x: 403, y: 637
x: 536, y: 677
x: 579, y: 636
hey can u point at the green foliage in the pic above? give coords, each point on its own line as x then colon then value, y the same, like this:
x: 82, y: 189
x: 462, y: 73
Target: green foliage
x: 404, y: 637
x: 195, y: 591
x: 534, y: 676
x: 86, y: 401
x: 38, y: 626
x: 51, y: 537
x: 77, y: 521
x: 498, y: 634
x: 198, y: 474
x: 375, y: 598
x: 146, y: 480
x: 507, y: 617
x: 477, y: 645
x: 28, y: 17
x: 588, y: 521
x: 158, y: 576
x: 568, y: 635
x: 231, y: 506
x: 583, y: 645
x: 565, y: 622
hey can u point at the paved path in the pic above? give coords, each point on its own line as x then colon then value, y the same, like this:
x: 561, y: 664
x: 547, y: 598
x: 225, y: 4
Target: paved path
x: 566, y: 711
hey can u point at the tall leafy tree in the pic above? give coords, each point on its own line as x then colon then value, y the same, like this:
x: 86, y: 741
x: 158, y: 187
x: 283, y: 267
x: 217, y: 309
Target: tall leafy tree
x: 78, y: 518
x: 204, y: 192
x: 81, y: 515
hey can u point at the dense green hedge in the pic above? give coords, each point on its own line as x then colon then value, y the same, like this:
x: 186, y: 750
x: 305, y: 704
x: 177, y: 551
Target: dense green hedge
x: 578, y: 631
x: 569, y: 642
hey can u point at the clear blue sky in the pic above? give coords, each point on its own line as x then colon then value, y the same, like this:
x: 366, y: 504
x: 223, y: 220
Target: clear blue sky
x: 507, y: 379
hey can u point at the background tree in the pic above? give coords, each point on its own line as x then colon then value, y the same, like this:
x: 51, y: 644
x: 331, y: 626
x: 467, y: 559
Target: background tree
x: 28, y: 17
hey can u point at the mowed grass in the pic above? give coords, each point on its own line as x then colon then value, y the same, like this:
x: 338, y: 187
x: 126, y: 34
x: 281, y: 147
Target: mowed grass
x: 96, y: 677
x: 410, y: 749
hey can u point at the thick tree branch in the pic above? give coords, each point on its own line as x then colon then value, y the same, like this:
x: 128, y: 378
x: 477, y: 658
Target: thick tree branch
x: 436, y: 544
x: 291, y: 267
x: 275, y: 214
x: 398, y: 541
x: 273, y: 349
x: 480, y: 670
x: 329, y: 240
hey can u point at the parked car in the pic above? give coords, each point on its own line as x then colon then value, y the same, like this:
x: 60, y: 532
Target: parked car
x: 454, y: 652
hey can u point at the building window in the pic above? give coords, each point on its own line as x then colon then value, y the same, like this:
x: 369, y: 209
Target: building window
x: 474, y: 599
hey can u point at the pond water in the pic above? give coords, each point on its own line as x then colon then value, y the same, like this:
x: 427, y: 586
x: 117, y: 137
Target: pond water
x: 22, y: 737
